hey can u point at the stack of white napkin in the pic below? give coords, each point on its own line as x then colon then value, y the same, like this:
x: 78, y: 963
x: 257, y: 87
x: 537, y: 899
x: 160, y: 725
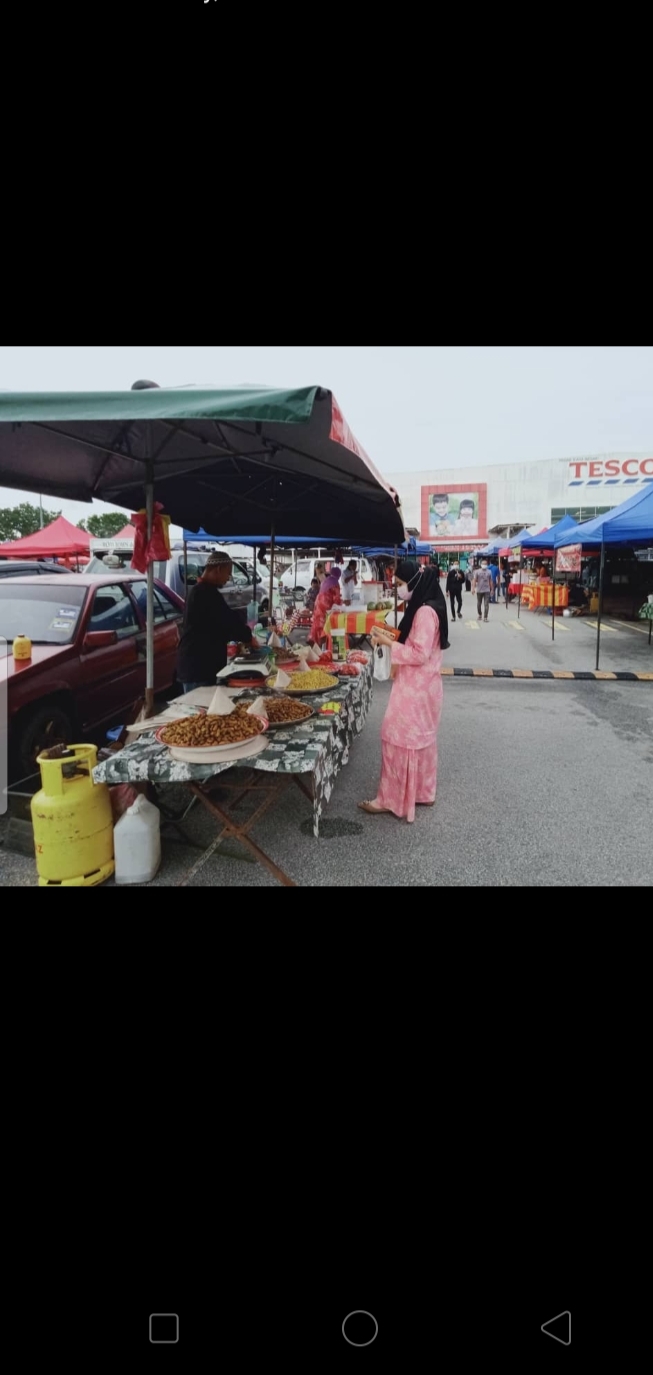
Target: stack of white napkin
x: 257, y: 708
x: 221, y: 703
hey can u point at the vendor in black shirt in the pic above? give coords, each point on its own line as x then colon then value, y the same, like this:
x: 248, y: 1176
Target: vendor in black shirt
x: 209, y: 626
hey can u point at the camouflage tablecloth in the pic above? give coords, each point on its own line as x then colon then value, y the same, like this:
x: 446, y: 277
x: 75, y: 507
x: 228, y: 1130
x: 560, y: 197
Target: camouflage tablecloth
x: 320, y: 747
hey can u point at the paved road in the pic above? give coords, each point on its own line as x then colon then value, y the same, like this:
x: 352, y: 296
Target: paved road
x: 509, y: 641
x: 540, y: 784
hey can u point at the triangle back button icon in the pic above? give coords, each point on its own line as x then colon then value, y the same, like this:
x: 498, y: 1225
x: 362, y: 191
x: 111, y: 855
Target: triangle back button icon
x: 559, y: 1328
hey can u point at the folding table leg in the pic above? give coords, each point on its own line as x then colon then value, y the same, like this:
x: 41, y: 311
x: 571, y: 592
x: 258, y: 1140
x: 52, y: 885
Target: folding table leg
x: 239, y: 832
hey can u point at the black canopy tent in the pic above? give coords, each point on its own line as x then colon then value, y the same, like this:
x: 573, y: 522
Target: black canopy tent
x: 282, y: 460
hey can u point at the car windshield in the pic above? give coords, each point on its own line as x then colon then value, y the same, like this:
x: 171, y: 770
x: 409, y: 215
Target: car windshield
x: 46, y: 615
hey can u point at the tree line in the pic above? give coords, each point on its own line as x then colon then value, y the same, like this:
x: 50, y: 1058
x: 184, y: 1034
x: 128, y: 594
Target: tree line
x: 18, y: 521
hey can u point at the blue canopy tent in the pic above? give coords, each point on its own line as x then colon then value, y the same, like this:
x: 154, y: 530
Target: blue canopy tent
x: 411, y: 548
x: 545, y: 540
x: 492, y: 548
x: 513, y: 542
x: 630, y: 523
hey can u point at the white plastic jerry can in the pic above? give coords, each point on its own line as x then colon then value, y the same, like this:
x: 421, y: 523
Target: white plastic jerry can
x: 137, y: 843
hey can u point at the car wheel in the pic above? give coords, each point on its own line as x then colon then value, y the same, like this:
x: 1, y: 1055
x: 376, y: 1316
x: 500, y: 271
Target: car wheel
x: 41, y: 730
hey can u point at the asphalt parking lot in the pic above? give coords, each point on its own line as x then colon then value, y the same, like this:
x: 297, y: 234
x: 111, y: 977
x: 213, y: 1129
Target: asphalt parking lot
x: 509, y: 640
x: 540, y: 784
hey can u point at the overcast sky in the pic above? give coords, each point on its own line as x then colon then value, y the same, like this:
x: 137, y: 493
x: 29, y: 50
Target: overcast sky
x: 411, y: 408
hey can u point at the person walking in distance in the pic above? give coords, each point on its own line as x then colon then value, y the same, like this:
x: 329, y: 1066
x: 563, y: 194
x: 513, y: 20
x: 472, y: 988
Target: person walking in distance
x: 455, y: 584
x: 494, y: 570
x: 506, y: 581
x: 482, y: 585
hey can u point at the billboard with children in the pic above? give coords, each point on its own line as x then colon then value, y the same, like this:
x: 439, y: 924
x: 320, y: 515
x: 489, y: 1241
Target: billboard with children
x: 461, y: 509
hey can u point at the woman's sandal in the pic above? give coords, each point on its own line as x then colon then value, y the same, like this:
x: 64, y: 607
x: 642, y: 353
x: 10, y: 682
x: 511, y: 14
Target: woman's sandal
x: 373, y: 811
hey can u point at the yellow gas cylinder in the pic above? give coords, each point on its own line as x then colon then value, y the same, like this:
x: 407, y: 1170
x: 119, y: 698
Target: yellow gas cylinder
x: 72, y: 821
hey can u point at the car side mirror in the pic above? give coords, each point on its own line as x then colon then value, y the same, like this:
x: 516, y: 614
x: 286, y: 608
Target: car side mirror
x: 99, y: 639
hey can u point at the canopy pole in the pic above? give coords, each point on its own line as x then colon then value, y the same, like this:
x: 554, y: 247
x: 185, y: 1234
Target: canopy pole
x: 553, y: 607
x: 149, y: 635
x: 395, y: 587
x: 521, y: 566
x: 255, y: 592
x: 185, y: 578
x: 272, y: 573
x: 598, y: 619
x: 295, y: 582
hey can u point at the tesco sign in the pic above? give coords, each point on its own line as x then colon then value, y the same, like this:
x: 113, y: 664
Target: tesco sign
x: 609, y: 472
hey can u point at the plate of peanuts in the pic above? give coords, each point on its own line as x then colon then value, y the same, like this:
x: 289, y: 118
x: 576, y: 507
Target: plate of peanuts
x: 283, y: 711
x: 206, y: 738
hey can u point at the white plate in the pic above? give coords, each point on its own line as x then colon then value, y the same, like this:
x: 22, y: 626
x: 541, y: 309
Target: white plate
x: 222, y: 754
x: 200, y: 753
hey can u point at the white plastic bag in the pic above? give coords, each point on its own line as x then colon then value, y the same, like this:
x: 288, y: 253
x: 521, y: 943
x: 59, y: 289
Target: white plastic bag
x: 382, y: 663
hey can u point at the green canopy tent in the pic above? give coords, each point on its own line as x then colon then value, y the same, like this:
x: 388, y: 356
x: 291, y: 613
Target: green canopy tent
x: 247, y: 457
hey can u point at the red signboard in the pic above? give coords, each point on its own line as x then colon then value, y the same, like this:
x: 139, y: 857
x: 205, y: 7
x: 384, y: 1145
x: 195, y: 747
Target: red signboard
x: 455, y: 510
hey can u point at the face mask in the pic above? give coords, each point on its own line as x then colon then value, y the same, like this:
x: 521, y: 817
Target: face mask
x: 404, y: 593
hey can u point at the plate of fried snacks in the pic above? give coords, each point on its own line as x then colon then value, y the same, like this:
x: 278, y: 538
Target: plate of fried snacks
x: 203, y: 739
x: 282, y: 711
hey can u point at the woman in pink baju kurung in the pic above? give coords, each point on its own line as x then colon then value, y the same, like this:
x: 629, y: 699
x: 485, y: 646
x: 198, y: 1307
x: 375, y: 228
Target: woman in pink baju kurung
x: 328, y: 596
x: 409, y: 733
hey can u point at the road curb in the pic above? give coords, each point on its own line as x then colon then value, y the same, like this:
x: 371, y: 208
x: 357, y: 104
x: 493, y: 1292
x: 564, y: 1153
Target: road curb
x: 539, y: 674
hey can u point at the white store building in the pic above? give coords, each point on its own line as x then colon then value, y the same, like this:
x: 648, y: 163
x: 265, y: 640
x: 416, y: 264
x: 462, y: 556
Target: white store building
x: 456, y: 509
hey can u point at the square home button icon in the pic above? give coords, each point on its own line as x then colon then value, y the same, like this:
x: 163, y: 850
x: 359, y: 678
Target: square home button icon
x: 164, y: 1328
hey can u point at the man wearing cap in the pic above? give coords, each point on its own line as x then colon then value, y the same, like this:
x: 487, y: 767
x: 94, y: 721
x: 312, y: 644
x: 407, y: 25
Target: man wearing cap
x: 210, y: 625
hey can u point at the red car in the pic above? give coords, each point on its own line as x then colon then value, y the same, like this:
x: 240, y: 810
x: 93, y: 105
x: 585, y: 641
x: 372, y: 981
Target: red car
x: 88, y: 655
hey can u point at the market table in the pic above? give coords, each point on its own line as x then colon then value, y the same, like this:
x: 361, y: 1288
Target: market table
x: 320, y: 747
x: 515, y: 588
x: 541, y: 594
x: 351, y: 623
x: 645, y: 613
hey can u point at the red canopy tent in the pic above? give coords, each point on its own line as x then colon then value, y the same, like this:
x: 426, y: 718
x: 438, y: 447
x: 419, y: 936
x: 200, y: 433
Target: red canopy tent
x: 60, y: 539
x: 128, y: 532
